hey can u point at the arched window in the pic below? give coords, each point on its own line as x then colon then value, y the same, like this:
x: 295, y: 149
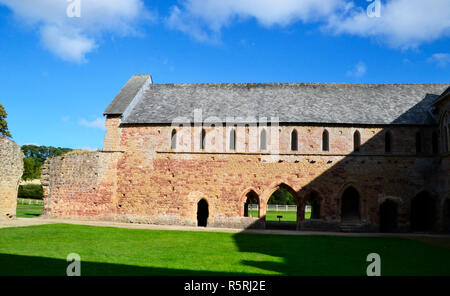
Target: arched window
x: 435, y: 143
x: 202, y: 139
x: 294, y: 140
x: 173, y: 142
x: 445, y: 139
x: 233, y: 139
x: 325, y: 141
x: 356, y: 141
x: 387, y: 142
x: 263, y: 140
x: 418, y: 142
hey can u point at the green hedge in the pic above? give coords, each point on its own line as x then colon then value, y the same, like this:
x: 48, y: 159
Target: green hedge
x: 33, y: 191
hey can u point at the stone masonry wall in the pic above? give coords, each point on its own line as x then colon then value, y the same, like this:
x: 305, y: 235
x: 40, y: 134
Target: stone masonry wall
x: 158, y: 185
x: 151, y: 183
x: 11, y: 170
x: 80, y: 184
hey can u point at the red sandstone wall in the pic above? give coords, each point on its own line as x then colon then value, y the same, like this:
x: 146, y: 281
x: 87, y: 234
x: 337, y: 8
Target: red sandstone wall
x: 150, y: 183
x: 157, y: 185
x: 81, y: 184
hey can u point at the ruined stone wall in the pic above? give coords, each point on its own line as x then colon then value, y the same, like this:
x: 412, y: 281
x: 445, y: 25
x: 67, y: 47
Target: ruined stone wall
x: 11, y: 170
x: 151, y: 183
x: 80, y: 184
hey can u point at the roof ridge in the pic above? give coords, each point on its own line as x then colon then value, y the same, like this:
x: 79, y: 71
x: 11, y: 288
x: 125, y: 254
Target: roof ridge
x: 299, y: 84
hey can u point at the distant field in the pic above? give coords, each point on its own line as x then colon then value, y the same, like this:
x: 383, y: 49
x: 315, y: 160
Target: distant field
x: 42, y: 250
x: 31, y: 211
x: 271, y: 216
x: 28, y: 211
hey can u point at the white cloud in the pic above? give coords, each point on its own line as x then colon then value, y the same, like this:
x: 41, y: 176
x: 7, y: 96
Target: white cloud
x: 98, y: 123
x: 403, y: 23
x: 204, y: 19
x: 441, y: 59
x: 358, y: 70
x: 72, y: 39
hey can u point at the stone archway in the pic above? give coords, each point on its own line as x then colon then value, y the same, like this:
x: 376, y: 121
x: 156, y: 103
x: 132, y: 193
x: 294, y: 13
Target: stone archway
x: 350, y: 205
x: 423, y: 212
x: 251, y: 205
x: 202, y: 213
x: 280, y: 215
x: 388, y: 216
x: 312, y: 200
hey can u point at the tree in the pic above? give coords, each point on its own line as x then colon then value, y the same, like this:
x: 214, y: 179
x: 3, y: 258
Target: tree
x: 281, y: 197
x: 3, y: 124
x: 35, y: 157
x: 31, y: 169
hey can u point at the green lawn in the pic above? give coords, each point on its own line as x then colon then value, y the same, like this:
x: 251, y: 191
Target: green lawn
x: 28, y: 211
x: 42, y: 250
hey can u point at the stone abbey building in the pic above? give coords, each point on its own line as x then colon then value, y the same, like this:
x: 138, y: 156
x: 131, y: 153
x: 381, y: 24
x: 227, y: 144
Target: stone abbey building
x: 365, y: 157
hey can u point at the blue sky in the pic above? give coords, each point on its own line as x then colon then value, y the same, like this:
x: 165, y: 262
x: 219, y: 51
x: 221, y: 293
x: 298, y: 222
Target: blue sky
x: 59, y: 74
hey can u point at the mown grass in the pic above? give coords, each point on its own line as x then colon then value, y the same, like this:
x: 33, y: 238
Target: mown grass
x: 42, y: 250
x: 28, y: 211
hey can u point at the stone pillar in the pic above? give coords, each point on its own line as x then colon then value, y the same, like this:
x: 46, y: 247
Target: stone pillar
x: 11, y: 171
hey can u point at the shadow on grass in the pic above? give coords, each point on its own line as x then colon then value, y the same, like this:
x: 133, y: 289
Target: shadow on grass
x: 344, y: 256
x: 17, y: 265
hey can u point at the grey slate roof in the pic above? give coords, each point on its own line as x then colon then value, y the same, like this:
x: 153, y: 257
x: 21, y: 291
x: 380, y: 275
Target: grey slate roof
x: 291, y: 102
x: 126, y: 95
x: 445, y: 94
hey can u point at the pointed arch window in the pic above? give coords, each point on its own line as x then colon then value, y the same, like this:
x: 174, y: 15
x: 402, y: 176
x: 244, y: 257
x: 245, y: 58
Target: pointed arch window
x: 202, y: 140
x: 173, y: 140
x: 435, y: 143
x: 263, y: 140
x: 445, y: 139
x: 325, y: 141
x: 356, y: 141
x: 294, y: 140
x: 233, y: 139
x: 388, y: 142
x: 418, y: 142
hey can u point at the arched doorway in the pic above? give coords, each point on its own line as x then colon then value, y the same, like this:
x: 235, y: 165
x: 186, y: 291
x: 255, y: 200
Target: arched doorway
x: 350, y: 209
x: 281, y: 210
x: 312, y: 206
x: 202, y: 213
x: 388, y: 216
x: 423, y: 212
x: 251, y: 206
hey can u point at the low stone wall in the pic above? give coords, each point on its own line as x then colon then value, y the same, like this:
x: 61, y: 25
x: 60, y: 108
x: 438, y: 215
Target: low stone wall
x: 80, y: 184
x: 11, y: 171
